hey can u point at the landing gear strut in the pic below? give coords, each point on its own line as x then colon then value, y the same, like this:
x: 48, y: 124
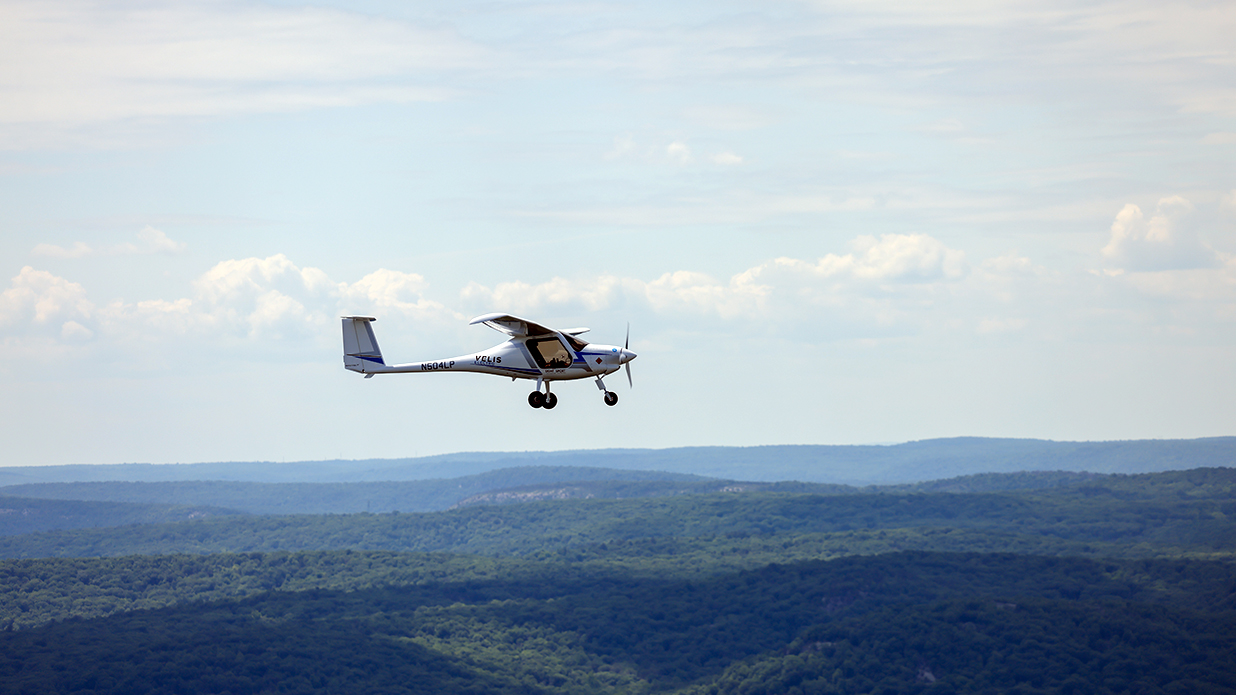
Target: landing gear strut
x: 611, y: 398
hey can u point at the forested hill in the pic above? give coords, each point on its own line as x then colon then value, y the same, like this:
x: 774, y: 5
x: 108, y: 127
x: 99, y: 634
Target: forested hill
x: 334, y: 498
x: 899, y: 624
x: 1174, y: 513
x: 854, y: 465
x: 1084, y: 584
x: 20, y: 515
x: 29, y: 510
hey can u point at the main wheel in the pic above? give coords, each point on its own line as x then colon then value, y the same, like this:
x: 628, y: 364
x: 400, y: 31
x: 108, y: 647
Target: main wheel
x: 611, y: 398
x: 550, y: 401
x: 536, y: 399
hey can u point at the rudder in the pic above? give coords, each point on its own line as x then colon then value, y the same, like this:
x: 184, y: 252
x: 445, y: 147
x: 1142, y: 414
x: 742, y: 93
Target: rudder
x: 360, y: 347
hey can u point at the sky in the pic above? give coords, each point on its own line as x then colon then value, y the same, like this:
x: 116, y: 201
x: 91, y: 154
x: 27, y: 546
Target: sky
x: 824, y: 222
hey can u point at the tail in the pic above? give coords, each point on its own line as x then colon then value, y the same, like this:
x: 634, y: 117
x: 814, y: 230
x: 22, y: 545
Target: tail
x: 360, y: 347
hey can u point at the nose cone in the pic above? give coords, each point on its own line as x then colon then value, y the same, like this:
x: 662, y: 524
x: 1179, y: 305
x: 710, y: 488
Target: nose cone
x: 626, y: 356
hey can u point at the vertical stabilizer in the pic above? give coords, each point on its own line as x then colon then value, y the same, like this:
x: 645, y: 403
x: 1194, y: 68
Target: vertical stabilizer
x: 360, y: 347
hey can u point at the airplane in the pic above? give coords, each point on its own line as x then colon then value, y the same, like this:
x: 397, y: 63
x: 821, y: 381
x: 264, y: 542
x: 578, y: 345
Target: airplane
x: 532, y: 352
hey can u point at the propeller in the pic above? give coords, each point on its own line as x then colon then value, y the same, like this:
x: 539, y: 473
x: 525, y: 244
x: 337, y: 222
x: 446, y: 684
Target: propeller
x: 627, y: 362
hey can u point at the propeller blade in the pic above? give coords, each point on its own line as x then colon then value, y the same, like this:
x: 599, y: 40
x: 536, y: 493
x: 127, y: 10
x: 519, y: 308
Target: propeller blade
x: 629, y: 382
x: 627, y: 345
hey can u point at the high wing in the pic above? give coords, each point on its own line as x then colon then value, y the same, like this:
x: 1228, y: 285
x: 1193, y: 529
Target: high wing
x: 519, y: 328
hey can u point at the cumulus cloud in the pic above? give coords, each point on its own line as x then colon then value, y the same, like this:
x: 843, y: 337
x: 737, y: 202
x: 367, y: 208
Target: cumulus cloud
x: 384, y: 291
x: 1162, y: 242
x: 40, y: 298
x: 265, y: 300
x: 867, y: 287
x: 894, y: 258
x: 74, y: 332
x: 275, y: 298
x: 726, y: 159
x: 150, y: 241
x: 266, y: 297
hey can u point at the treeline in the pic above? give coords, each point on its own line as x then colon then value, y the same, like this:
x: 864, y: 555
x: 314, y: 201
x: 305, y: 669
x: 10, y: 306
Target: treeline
x: 894, y: 623
x: 1154, y: 515
x: 329, y: 498
x: 35, y: 592
x: 22, y: 515
x: 506, y: 486
x: 855, y: 465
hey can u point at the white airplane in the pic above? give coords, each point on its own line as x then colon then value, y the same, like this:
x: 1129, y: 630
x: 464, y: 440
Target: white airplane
x: 533, y: 352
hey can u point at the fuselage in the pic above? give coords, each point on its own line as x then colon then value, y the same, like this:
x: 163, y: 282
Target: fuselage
x: 551, y: 357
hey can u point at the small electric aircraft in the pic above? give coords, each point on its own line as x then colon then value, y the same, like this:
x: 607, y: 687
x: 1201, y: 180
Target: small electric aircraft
x: 533, y: 352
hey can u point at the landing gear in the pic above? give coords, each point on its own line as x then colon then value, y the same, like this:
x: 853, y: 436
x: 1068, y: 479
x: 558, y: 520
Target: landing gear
x: 546, y: 400
x: 611, y: 398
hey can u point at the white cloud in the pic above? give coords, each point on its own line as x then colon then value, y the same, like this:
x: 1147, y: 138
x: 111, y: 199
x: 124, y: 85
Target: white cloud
x: 900, y: 258
x: 679, y: 152
x: 71, y: 63
x: 79, y: 249
x: 873, y: 286
x: 150, y: 241
x: 1163, y: 242
x: 36, y: 297
x: 726, y: 159
x: 266, y: 300
x: 385, y: 291
x: 73, y: 332
x: 266, y: 296
x: 153, y: 241
x: 154, y: 317
x: 892, y: 285
x: 685, y: 293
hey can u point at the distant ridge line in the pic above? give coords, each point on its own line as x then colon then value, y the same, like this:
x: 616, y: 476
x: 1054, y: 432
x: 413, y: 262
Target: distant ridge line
x: 849, y: 464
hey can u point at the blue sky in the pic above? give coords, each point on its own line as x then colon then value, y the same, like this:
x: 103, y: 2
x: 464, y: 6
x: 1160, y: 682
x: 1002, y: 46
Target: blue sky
x: 826, y: 222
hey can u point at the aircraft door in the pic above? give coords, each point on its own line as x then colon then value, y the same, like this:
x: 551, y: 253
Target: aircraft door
x: 549, y: 352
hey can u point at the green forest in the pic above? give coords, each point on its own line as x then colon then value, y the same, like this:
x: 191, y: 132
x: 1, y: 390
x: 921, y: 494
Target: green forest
x: 1028, y: 583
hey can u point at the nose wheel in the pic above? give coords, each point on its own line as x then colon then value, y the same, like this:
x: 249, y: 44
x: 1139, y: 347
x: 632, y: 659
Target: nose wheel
x: 611, y: 398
